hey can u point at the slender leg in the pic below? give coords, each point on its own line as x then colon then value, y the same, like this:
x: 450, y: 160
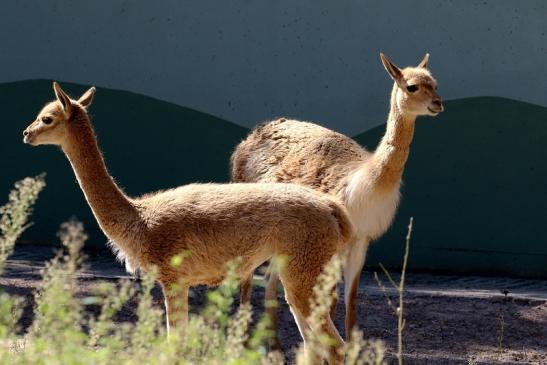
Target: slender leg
x: 298, y: 283
x: 334, y: 302
x: 299, y: 303
x: 176, y: 305
x: 335, y: 357
x: 352, y: 274
x: 271, y: 308
x: 301, y: 323
x: 245, y: 289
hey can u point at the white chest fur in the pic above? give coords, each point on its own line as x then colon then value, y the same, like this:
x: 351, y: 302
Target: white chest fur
x: 371, y: 210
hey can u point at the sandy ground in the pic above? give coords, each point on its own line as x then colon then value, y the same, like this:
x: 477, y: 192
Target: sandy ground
x: 450, y: 319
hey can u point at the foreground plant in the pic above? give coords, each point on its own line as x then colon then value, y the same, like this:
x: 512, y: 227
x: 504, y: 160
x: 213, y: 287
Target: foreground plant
x: 64, y: 331
x: 400, y: 288
x: 58, y: 323
x: 14, y: 215
x: 13, y: 222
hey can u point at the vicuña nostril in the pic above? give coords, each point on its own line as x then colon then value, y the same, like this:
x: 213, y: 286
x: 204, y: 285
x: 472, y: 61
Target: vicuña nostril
x: 438, y: 103
x: 25, y: 133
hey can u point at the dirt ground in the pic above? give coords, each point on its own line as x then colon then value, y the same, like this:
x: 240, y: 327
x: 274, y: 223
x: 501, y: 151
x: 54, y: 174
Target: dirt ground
x: 450, y: 319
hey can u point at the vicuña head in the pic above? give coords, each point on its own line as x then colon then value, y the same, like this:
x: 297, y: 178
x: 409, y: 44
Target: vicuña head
x: 415, y: 90
x: 52, y: 125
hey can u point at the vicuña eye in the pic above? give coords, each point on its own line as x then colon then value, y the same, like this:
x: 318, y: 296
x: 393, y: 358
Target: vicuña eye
x: 412, y: 88
x: 47, y: 120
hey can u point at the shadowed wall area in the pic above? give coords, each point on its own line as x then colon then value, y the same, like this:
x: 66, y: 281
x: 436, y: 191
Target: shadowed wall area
x: 475, y: 180
x: 248, y: 61
x: 476, y: 184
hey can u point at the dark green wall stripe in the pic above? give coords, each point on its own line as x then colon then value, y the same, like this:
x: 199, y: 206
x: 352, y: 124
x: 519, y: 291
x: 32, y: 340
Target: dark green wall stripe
x: 476, y: 185
x: 475, y: 180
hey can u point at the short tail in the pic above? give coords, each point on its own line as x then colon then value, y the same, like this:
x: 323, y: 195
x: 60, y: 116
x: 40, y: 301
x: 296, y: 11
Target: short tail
x: 345, y: 226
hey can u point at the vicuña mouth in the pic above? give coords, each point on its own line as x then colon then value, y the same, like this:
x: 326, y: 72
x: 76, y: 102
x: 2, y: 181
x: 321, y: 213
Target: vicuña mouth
x: 433, y: 111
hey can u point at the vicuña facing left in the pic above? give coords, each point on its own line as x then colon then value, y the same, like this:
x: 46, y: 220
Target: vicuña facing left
x: 213, y: 223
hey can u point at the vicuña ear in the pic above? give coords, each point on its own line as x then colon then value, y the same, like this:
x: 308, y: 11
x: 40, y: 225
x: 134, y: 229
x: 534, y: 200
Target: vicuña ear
x: 392, y: 70
x: 87, y: 97
x: 424, y: 62
x: 63, y: 98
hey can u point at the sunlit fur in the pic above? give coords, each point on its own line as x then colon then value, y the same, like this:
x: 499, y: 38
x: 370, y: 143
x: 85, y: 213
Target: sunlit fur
x: 208, y: 224
x: 367, y: 183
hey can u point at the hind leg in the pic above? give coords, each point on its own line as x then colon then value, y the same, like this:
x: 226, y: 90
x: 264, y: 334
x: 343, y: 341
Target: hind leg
x: 176, y: 305
x: 298, y: 281
x: 334, y: 302
x: 335, y: 354
x: 301, y: 322
x: 245, y: 286
x: 272, y: 281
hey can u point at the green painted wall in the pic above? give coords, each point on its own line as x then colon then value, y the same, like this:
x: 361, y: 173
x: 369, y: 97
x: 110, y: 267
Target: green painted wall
x: 248, y: 61
x: 148, y: 145
x: 476, y: 185
x: 475, y: 180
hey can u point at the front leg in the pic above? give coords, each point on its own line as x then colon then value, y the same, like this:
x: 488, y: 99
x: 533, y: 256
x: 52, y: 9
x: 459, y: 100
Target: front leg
x: 176, y: 306
x: 355, y: 261
x: 245, y: 287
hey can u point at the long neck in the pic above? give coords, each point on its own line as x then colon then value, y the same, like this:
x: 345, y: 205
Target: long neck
x: 111, y: 207
x: 389, y: 159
